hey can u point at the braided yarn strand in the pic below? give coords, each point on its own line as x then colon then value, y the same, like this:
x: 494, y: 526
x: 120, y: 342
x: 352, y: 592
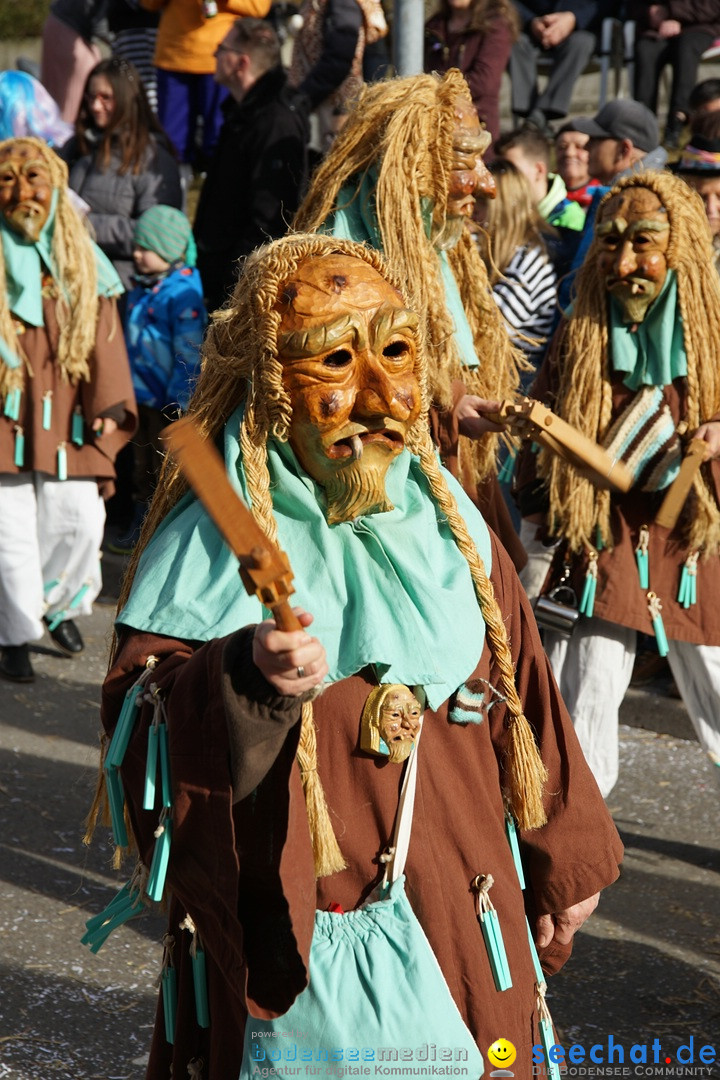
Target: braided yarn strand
x: 524, y: 767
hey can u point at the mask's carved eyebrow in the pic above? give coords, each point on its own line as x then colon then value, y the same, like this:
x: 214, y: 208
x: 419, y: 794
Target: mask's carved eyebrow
x: 471, y: 144
x: 304, y: 344
x: 620, y: 225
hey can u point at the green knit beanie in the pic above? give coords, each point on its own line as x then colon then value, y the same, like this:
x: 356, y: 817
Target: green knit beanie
x: 167, y: 232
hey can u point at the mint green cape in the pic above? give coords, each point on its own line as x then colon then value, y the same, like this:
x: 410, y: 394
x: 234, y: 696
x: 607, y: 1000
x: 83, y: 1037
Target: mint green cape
x: 390, y: 590
x: 24, y: 262
x: 654, y: 354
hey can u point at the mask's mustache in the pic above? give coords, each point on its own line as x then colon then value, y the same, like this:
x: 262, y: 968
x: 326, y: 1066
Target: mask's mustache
x: 636, y: 285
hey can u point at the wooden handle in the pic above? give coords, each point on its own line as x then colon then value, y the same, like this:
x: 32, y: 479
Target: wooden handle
x: 679, y: 490
x: 285, y: 617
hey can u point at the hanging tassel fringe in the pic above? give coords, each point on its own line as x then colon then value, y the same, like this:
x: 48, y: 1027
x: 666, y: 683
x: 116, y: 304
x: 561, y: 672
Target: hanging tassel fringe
x: 512, y: 836
x: 527, y: 775
x: 587, y: 600
x: 328, y: 857
x: 199, y: 971
x: 655, y: 607
x: 490, y: 925
x: 127, y: 903
x: 687, y: 593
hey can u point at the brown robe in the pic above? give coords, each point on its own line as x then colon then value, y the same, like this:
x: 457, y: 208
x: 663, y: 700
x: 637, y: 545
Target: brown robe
x: 241, y: 862
x: 109, y: 389
x: 619, y: 597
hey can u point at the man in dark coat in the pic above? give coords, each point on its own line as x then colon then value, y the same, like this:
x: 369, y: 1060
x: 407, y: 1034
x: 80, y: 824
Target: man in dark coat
x: 253, y: 184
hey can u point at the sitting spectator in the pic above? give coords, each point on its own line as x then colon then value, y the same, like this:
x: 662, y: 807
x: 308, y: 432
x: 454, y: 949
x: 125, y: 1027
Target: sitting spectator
x: 164, y: 324
x: 475, y: 36
x: 529, y: 151
x: 120, y: 160
x: 565, y: 34
x: 189, y: 99
x: 675, y: 34
x: 571, y: 161
x: 699, y: 167
x: 513, y: 247
x: 253, y: 184
x: 704, y: 98
x: 26, y: 108
x: 335, y: 51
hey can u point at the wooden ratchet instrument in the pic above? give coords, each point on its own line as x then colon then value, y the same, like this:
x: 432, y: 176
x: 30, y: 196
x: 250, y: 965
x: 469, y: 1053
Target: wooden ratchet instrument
x: 264, y: 568
x: 679, y: 490
x: 535, y: 420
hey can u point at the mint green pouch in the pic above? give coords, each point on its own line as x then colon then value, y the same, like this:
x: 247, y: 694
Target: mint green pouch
x: 376, y: 994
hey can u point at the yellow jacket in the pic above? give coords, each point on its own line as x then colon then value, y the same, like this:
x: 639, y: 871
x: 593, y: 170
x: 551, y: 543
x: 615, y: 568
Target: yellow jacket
x: 186, y: 40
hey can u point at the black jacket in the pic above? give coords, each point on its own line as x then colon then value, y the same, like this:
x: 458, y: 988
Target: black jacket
x: 253, y: 185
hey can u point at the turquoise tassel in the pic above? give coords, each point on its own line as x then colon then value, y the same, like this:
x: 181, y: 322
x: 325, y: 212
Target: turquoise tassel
x: 168, y: 983
x: 539, y: 973
x: 164, y: 766
x: 490, y: 925
x: 78, y: 426
x: 655, y: 608
x: 62, y: 462
x: 56, y: 619
x: 199, y: 970
x: 151, y: 769
x: 660, y: 635
x: 77, y: 598
x: 47, y: 410
x: 641, y: 557
x: 12, y: 405
x: 123, y: 728
x: 116, y: 800
x: 496, y: 949
x: 587, y: 601
x: 124, y: 906
x: 512, y: 836
x: 547, y: 1038
x: 19, y: 458
x: 161, y: 858
x: 687, y: 593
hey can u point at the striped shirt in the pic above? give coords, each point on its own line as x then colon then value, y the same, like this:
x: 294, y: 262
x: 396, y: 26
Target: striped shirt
x: 526, y: 296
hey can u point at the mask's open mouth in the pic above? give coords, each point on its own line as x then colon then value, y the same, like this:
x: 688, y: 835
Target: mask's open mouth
x: 353, y: 446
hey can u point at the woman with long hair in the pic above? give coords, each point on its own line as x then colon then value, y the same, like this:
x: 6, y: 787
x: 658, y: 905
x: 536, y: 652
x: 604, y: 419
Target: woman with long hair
x: 475, y: 36
x: 120, y: 159
x: 514, y: 249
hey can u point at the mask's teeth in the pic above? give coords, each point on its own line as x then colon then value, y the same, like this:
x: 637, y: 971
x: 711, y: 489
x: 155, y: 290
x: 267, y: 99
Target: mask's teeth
x: 357, y: 447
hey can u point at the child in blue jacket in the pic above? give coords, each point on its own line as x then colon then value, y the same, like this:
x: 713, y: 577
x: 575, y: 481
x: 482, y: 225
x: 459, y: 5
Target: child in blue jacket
x: 164, y: 326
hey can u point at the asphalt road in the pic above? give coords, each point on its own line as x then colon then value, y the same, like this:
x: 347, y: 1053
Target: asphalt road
x: 646, y: 967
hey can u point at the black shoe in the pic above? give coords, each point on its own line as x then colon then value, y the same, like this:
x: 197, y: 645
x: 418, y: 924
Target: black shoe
x: 15, y: 663
x: 67, y: 636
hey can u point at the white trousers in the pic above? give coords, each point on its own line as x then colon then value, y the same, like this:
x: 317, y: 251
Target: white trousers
x: 593, y: 668
x: 50, y: 536
x: 533, y: 574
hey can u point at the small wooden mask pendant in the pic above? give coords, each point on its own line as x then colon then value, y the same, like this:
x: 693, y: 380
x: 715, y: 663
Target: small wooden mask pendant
x: 391, y: 721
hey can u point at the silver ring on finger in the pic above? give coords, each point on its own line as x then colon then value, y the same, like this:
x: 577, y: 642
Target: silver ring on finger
x: 301, y: 672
